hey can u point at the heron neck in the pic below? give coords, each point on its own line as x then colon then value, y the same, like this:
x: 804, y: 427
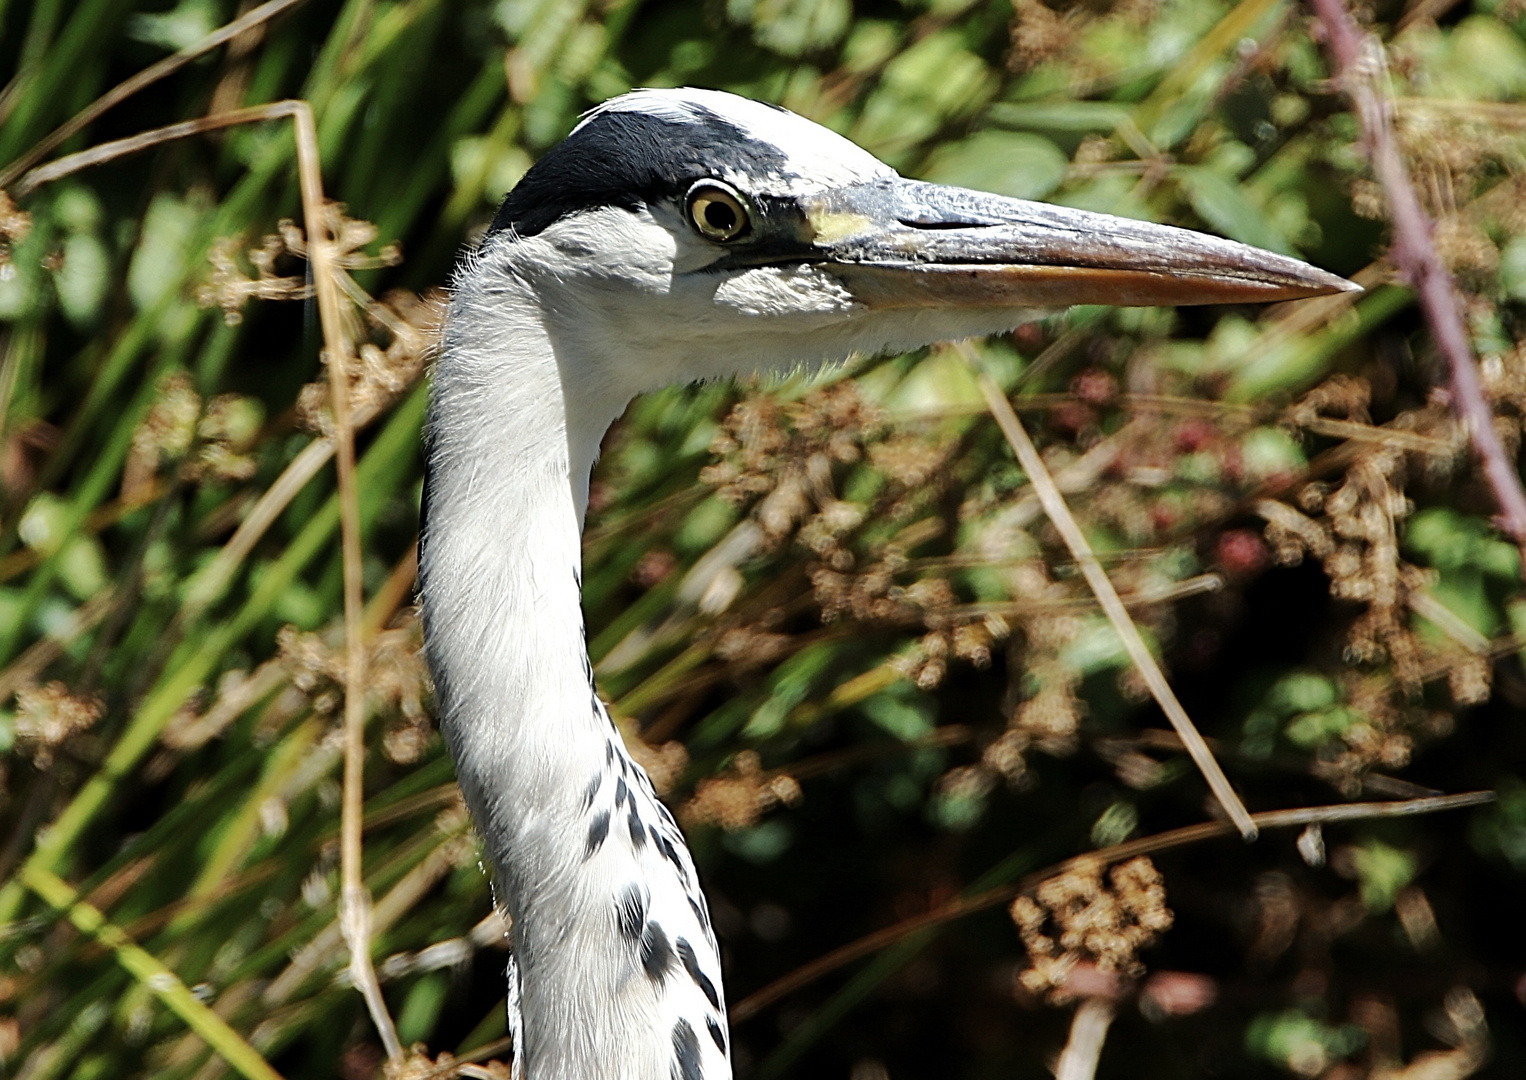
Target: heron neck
x: 589, y: 865
x: 500, y: 573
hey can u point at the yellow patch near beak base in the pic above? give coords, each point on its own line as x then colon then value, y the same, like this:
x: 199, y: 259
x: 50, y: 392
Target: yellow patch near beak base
x: 833, y: 226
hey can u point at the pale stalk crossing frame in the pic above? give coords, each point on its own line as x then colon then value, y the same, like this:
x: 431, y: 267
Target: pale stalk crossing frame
x: 144, y: 729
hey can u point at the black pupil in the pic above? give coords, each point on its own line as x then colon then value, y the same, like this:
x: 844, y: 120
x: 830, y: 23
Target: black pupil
x: 719, y: 216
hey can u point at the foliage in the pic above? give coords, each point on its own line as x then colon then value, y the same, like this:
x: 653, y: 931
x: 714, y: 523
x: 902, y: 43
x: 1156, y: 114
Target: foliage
x: 829, y: 615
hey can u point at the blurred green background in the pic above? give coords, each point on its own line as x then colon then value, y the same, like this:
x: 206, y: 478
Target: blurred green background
x: 859, y: 662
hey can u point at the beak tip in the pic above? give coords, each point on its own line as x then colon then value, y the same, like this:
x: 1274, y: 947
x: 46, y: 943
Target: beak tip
x: 1330, y: 284
x: 1315, y: 282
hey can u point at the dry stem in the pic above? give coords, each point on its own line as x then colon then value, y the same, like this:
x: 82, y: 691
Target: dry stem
x: 31, y: 664
x: 1117, y: 614
x: 1360, y: 62
x: 147, y: 140
x: 355, y: 900
x: 482, y: 1053
x: 148, y: 76
x: 755, y: 1002
x: 209, y: 583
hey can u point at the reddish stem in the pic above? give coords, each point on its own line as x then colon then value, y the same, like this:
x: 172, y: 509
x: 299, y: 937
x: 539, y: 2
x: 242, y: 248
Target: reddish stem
x: 1358, y: 61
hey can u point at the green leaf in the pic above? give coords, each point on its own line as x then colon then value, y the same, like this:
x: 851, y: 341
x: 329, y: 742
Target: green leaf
x: 1499, y: 831
x: 901, y: 712
x: 185, y: 24
x: 1073, y: 116
x: 1116, y: 824
x: 1266, y: 452
x: 82, y: 281
x: 1299, y: 1043
x: 1513, y: 267
x: 158, y: 265
x: 794, y: 27
x: 82, y: 568
x: 1220, y: 202
x: 1311, y: 730
x: 1382, y: 872
x: 421, y: 1008
x: 482, y: 156
x: 763, y: 842
x: 1480, y: 58
x: 1003, y: 162
x: 1097, y: 647
x: 1450, y: 541
x: 1301, y: 691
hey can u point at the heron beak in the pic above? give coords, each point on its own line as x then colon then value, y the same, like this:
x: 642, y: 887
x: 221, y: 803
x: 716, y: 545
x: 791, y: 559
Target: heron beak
x: 907, y: 244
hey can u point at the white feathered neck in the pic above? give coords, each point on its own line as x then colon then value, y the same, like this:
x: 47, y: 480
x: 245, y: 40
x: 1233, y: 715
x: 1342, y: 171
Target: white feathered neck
x: 618, y: 973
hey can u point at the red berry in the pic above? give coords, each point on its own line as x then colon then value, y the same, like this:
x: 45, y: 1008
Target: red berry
x: 1069, y: 417
x: 1242, y: 552
x: 1194, y: 434
x: 1029, y: 337
x: 1094, y: 386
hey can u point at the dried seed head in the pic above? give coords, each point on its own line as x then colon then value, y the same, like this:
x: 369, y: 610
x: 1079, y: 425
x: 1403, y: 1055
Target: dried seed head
x: 966, y: 782
x: 409, y: 326
x: 164, y: 436
x: 737, y: 799
x: 15, y: 225
x: 229, y: 287
x: 1038, y: 34
x: 48, y: 717
x: 664, y: 765
x: 1005, y: 756
x: 1078, y: 917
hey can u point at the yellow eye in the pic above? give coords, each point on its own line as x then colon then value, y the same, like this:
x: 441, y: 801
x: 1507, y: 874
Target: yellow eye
x: 717, y: 212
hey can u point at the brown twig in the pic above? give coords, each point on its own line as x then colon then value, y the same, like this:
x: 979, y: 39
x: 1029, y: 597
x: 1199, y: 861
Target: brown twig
x: 482, y: 1053
x: 1117, y: 614
x: 355, y: 899
x: 1180, y: 590
x: 32, y: 663
x: 393, y: 594
x: 148, y: 76
x: 755, y: 1002
x: 1360, y: 62
x: 315, y: 956
x: 147, y: 140
x: 1373, y: 783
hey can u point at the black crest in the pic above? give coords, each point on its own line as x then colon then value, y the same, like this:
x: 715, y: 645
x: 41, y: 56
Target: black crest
x: 627, y: 159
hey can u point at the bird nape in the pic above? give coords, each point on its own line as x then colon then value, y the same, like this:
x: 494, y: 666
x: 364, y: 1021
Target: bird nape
x: 679, y: 235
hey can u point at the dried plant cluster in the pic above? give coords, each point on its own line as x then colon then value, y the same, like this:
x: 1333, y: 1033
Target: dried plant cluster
x: 831, y: 617
x: 786, y: 458
x: 208, y: 442
x: 406, y: 324
x: 15, y: 224
x: 1353, y: 527
x: 397, y: 683
x: 740, y: 797
x: 49, y: 717
x: 1078, y: 916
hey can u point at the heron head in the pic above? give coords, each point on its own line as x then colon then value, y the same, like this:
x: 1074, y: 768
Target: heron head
x: 683, y: 234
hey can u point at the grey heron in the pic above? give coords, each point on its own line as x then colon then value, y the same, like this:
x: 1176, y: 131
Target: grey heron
x: 674, y: 236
